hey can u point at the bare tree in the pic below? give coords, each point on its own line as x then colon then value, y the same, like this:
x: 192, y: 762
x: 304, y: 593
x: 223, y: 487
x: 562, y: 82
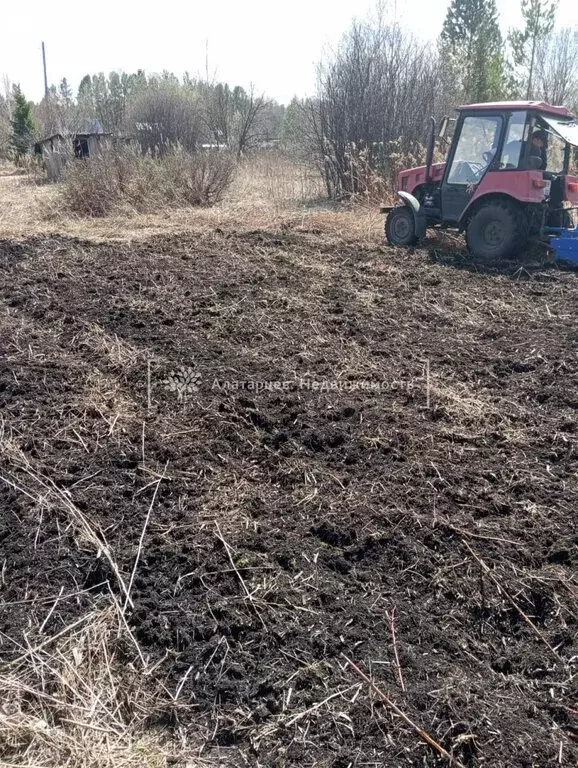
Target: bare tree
x: 557, y: 67
x: 234, y: 118
x: 7, y: 88
x: 5, y: 129
x: 164, y: 115
x: 248, y: 128
x: 374, y: 96
x: 5, y: 117
x: 56, y: 113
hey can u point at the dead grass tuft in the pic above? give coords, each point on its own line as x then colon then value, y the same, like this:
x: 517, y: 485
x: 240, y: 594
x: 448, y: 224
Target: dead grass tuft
x: 83, y: 698
x: 83, y: 695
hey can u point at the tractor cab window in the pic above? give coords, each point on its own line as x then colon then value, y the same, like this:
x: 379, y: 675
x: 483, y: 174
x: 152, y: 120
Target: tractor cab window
x: 515, y: 141
x: 555, y: 149
x: 529, y: 145
x: 475, y: 149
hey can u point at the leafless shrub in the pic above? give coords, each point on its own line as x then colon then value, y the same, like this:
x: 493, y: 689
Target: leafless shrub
x: 379, y: 88
x: 165, y: 115
x: 196, y: 179
x: 126, y: 178
x: 94, y: 186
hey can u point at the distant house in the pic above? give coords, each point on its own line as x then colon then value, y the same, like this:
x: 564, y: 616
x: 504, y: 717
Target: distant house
x: 213, y: 147
x: 269, y: 143
x: 79, y: 138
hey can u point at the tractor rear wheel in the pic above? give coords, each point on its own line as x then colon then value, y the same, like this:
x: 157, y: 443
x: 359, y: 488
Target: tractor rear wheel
x: 400, y: 226
x: 497, y: 230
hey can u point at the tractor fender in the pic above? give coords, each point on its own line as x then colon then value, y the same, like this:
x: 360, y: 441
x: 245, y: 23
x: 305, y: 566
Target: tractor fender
x: 479, y: 200
x: 413, y: 204
x: 409, y: 200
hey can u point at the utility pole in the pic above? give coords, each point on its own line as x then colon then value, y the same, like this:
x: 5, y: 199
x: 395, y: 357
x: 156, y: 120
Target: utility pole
x: 45, y: 76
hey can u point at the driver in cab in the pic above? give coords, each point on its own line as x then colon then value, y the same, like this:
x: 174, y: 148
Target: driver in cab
x: 527, y: 156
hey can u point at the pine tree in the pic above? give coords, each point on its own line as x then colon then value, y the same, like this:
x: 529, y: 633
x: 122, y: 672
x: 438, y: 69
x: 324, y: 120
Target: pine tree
x: 292, y: 127
x: 539, y: 17
x: 85, y: 96
x: 22, y: 124
x: 472, y: 50
x: 65, y: 93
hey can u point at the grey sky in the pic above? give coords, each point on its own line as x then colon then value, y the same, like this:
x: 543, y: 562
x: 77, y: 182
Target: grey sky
x: 273, y: 45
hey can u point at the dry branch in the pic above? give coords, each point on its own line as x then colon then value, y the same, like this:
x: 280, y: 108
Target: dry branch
x: 141, y: 539
x: 513, y: 603
x: 421, y: 733
x: 391, y: 617
x: 319, y: 704
x: 236, y: 570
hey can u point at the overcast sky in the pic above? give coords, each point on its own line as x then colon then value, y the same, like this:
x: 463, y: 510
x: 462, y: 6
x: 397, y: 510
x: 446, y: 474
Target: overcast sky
x: 272, y: 44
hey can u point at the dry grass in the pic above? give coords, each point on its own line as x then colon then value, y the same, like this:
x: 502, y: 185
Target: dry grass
x: 271, y: 192
x: 83, y: 698
x: 67, y: 701
x: 82, y: 695
x: 282, y: 180
x: 123, y: 179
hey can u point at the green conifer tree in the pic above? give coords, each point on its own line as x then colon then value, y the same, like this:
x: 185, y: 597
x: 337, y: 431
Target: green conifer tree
x: 472, y: 50
x: 539, y: 17
x: 22, y: 124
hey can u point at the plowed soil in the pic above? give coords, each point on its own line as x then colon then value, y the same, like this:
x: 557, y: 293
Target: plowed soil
x: 308, y: 443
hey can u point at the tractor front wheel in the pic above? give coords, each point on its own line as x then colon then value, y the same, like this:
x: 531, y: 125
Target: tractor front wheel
x: 400, y: 226
x: 497, y: 230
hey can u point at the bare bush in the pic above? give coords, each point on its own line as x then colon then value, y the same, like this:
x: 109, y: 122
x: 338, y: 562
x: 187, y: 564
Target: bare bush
x: 379, y: 88
x: 164, y: 115
x: 196, y: 179
x: 126, y: 178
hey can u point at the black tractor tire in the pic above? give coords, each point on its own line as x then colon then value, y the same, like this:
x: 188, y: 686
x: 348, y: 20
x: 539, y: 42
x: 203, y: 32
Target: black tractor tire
x: 497, y: 230
x: 400, y: 226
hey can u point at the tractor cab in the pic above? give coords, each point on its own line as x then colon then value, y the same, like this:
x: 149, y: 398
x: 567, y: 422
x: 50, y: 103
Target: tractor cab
x: 506, y: 178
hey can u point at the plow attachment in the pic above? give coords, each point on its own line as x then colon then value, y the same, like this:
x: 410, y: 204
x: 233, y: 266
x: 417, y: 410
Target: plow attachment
x: 564, y: 243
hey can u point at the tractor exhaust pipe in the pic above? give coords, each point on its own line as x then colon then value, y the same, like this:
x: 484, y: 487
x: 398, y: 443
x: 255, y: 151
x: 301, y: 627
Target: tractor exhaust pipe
x: 430, y: 149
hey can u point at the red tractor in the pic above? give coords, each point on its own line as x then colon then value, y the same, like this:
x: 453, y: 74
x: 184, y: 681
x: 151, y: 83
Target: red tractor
x: 506, y: 180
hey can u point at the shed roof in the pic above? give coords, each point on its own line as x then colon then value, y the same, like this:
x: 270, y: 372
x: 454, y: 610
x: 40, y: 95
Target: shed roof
x: 74, y: 135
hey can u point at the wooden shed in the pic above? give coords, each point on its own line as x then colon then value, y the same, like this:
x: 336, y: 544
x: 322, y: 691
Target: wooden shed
x: 57, y: 149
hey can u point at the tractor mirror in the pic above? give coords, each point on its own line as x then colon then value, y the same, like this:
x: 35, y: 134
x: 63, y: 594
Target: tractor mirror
x: 444, y: 127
